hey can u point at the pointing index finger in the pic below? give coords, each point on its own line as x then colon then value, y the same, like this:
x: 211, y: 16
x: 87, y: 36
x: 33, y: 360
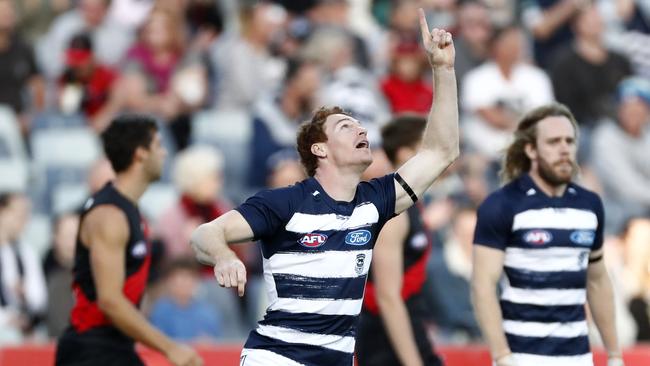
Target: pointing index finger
x: 424, y: 27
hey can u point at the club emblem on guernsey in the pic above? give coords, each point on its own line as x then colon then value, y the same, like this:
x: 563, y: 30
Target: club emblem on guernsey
x: 312, y: 240
x: 361, y: 259
x: 358, y: 237
x: 538, y: 237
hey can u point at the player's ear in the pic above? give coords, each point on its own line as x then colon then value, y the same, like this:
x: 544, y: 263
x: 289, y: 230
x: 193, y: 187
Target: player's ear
x: 318, y: 149
x: 530, y: 151
x: 140, y: 153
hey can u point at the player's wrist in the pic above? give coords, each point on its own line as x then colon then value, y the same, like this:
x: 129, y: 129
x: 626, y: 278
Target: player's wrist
x: 505, y: 359
x: 615, y: 360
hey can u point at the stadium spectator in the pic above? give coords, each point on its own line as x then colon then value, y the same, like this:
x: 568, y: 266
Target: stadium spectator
x: 404, y: 87
x: 473, y: 33
x: 110, y: 40
x: 620, y: 152
x: 21, y: 88
x: 23, y: 295
x: 515, y: 87
x: 57, y: 267
x: 545, y: 233
x: 179, y: 313
x: 585, y: 74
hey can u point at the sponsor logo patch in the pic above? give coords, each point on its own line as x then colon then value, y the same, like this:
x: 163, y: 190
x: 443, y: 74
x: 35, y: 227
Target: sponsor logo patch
x: 139, y: 249
x: 538, y: 237
x: 583, y: 237
x: 361, y: 259
x: 358, y: 237
x: 313, y: 240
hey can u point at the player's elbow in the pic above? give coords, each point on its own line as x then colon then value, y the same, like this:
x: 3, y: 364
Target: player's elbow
x: 108, y: 303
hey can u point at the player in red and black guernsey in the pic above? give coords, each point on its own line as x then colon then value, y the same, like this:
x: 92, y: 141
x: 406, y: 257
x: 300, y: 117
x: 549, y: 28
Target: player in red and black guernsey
x: 391, y: 330
x: 112, y: 259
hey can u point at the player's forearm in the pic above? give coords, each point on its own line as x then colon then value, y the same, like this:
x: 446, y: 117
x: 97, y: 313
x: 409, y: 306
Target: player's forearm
x: 441, y: 133
x: 488, y: 313
x: 209, y: 243
x: 600, y: 296
x: 131, y: 322
x: 398, y: 326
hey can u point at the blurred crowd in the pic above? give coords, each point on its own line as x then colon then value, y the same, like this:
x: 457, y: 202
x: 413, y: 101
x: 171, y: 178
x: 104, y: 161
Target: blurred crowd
x: 229, y: 81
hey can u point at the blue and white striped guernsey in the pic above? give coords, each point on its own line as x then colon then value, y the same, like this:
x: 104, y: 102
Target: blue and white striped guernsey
x: 316, y: 255
x: 547, y: 242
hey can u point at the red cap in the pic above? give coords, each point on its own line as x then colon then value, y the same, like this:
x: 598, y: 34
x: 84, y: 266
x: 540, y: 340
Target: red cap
x: 77, y: 57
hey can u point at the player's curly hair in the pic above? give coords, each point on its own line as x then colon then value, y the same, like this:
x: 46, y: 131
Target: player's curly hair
x: 516, y: 162
x: 312, y: 132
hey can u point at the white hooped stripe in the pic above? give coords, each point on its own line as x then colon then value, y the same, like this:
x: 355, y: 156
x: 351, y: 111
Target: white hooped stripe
x: 333, y: 342
x: 323, y: 307
x: 555, y: 218
x: 538, y: 360
x: 262, y: 357
x: 362, y: 216
x: 548, y: 297
x: 547, y: 259
x: 327, y: 264
x: 535, y: 329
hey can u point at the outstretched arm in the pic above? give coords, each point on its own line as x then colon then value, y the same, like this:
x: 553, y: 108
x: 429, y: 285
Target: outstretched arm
x: 439, y: 146
x: 210, y: 243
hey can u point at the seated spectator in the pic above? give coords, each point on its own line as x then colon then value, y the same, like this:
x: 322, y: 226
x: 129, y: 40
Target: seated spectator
x: 404, y: 87
x: 449, y: 273
x: 18, y: 74
x: 57, y: 266
x: 179, y: 313
x: 514, y: 88
x: 471, y: 40
x: 110, y: 40
x: 86, y: 86
x: 23, y: 296
x: 284, y: 169
x: 197, y: 175
x: 620, y: 151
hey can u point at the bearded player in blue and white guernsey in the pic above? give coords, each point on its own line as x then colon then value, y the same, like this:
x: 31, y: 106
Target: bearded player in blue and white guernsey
x: 546, y: 233
x: 317, y: 236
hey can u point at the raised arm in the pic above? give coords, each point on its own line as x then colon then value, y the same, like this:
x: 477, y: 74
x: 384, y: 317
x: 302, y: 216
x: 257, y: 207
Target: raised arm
x: 439, y: 146
x: 210, y: 243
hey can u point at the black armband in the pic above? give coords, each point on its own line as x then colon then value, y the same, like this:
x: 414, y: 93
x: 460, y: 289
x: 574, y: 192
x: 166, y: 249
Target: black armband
x: 406, y: 187
x: 596, y: 259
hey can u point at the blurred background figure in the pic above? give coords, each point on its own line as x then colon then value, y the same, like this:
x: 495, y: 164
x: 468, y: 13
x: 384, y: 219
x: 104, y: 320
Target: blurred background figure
x: 23, y: 295
x: 57, y: 266
x: 21, y: 86
x: 179, y: 312
x: 405, y: 87
x: 471, y: 41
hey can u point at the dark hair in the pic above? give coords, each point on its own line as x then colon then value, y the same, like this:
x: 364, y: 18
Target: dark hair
x: 402, y: 131
x: 81, y: 41
x: 311, y: 132
x: 124, y: 135
x: 5, y: 198
x: 516, y: 162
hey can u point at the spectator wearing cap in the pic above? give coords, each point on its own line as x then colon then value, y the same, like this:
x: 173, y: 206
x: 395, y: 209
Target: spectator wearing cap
x: 404, y: 87
x: 621, y: 149
x: 86, y: 85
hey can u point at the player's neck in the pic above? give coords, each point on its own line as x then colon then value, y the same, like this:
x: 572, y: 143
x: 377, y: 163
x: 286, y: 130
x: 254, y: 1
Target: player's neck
x: 549, y: 189
x: 338, y: 185
x: 131, y: 186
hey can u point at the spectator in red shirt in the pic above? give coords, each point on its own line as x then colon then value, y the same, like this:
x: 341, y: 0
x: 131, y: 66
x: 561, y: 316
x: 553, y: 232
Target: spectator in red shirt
x: 404, y: 87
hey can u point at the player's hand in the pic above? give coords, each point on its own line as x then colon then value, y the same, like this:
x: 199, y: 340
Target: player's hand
x: 506, y: 360
x: 615, y: 361
x: 438, y: 44
x: 230, y: 272
x: 182, y: 355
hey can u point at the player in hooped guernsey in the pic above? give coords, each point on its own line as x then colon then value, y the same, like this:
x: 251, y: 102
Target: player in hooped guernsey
x: 545, y: 233
x: 317, y: 236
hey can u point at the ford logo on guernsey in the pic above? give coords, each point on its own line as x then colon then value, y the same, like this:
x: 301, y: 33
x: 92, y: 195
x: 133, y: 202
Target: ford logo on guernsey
x: 583, y: 237
x: 538, y: 237
x: 313, y: 240
x: 358, y: 237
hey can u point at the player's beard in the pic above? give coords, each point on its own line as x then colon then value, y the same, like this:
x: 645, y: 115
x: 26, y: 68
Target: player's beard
x: 547, y: 173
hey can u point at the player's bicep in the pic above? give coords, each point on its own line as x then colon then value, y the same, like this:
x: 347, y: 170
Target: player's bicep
x: 596, y: 266
x: 487, y: 263
x: 418, y: 173
x: 236, y: 228
x: 387, y: 262
x: 106, y: 232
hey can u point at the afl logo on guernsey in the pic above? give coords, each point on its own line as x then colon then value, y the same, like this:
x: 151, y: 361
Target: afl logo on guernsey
x: 583, y: 237
x: 358, y: 237
x: 538, y: 237
x: 313, y: 240
x: 139, y: 249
